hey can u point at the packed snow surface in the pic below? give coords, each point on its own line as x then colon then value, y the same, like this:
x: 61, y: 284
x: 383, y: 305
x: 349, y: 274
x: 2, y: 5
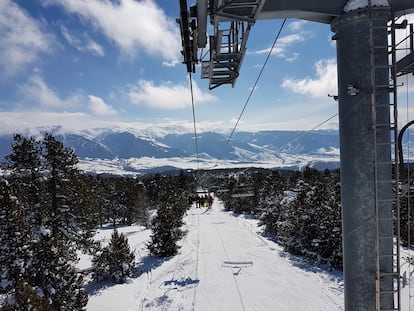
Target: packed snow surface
x: 223, y: 264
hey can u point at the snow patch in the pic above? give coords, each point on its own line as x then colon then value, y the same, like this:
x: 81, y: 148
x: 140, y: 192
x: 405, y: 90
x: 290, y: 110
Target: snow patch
x: 44, y: 231
x: 5, y: 283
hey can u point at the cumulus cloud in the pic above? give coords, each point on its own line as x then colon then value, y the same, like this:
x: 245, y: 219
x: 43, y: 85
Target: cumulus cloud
x: 98, y: 106
x: 166, y: 95
x: 37, y: 92
x: 29, y: 120
x: 22, y: 39
x: 297, y: 25
x: 323, y: 84
x: 134, y: 26
x: 83, y: 44
x: 282, y: 45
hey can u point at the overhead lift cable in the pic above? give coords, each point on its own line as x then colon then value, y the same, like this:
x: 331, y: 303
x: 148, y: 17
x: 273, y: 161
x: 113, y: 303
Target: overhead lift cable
x: 409, y: 177
x: 194, y: 124
x: 255, y: 84
x: 190, y: 59
x: 307, y: 132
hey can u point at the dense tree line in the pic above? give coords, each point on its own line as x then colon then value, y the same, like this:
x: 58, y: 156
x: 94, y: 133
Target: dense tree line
x: 49, y: 210
x: 39, y: 230
x: 300, y: 210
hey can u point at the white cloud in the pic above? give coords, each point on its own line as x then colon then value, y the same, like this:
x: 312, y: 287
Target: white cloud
x: 98, y: 106
x: 31, y: 122
x: 323, y: 84
x: 280, y: 49
x: 23, y: 121
x: 36, y: 91
x: 86, y: 44
x: 292, y: 58
x: 166, y: 95
x: 22, y: 39
x: 134, y: 26
x: 296, y: 25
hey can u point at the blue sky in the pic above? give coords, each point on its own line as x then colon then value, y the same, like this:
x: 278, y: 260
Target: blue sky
x: 98, y: 63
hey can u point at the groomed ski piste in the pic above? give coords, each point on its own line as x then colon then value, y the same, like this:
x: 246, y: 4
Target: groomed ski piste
x: 223, y: 264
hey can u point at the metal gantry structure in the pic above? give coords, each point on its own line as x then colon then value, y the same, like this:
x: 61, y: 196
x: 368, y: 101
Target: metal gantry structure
x: 367, y: 96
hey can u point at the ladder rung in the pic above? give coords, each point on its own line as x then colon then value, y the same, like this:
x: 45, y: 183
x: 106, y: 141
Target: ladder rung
x: 382, y: 66
x: 385, y: 87
x: 387, y: 201
x: 384, y: 163
x: 383, y: 238
x: 385, y: 292
x: 387, y: 105
x: 384, y: 181
x: 396, y: 274
x: 386, y: 219
x: 379, y: 27
x: 391, y: 127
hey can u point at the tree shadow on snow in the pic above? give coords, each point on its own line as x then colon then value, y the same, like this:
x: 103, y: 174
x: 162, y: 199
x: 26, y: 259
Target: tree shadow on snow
x: 303, y: 264
x: 146, y: 264
x: 149, y: 263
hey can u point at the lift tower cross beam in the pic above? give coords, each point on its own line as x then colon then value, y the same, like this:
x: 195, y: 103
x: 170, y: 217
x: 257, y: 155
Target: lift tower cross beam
x: 361, y: 34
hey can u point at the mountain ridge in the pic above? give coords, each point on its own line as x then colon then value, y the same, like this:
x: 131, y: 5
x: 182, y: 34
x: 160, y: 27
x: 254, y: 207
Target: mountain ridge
x: 282, y: 148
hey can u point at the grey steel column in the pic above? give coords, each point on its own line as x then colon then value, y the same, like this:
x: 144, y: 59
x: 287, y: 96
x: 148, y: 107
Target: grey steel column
x: 359, y: 137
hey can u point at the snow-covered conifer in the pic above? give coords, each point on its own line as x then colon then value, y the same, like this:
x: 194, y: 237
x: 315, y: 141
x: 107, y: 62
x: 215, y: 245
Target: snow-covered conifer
x: 115, y: 261
x: 166, y: 225
x: 41, y: 180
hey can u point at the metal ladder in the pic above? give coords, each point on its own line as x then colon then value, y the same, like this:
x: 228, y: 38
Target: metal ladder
x: 227, y: 50
x: 388, y: 297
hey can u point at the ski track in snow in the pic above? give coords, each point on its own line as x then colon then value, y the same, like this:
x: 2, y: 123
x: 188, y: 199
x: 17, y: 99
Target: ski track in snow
x: 223, y: 264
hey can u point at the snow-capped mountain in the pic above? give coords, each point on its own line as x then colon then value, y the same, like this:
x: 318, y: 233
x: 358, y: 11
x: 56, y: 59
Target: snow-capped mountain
x: 131, y: 150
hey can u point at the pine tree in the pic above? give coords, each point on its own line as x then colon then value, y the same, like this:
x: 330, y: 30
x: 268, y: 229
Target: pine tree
x: 115, y: 261
x: 166, y: 225
x: 331, y: 223
x: 136, y: 202
x: 59, y: 281
x: 21, y: 217
x: 14, y: 250
x: 60, y: 164
x: 56, y: 279
x: 166, y: 233
x: 44, y: 225
x: 269, y: 204
x: 294, y: 219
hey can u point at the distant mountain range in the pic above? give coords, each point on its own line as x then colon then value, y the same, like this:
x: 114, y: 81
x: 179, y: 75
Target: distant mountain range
x: 138, y: 151
x: 130, y: 150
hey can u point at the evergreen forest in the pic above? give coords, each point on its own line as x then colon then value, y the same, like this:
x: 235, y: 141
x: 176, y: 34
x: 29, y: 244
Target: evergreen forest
x: 50, y: 211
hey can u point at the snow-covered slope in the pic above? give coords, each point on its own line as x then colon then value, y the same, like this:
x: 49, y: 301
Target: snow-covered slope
x: 223, y: 264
